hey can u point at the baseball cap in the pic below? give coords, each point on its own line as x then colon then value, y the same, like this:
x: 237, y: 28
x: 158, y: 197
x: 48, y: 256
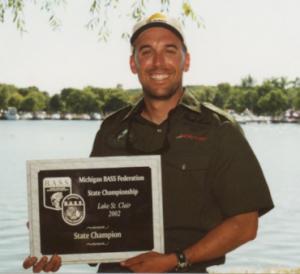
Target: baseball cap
x: 158, y: 20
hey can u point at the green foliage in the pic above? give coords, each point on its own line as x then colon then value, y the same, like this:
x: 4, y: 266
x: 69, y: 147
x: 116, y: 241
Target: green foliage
x: 272, y: 97
x: 3, y: 98
x: 100, y: 12
x: 6, y: 91
x: 234, y: 100
x: 15, y: 100
x: 296, y: 99
x: 55, y: 103
x: 249, y: 99
x: 274, y: 102
x: 114, y: 103
x: 247, y: 82
x: 34, y: 101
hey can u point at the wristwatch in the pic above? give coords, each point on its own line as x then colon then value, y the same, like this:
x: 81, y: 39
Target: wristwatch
x: 182, y: 263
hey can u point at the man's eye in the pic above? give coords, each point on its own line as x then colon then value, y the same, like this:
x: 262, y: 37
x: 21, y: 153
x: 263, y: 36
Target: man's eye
x: 145, y: 52
x: 171, y: 50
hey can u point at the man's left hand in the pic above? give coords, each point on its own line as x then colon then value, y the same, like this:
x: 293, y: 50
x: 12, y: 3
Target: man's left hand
x: 151, y: 262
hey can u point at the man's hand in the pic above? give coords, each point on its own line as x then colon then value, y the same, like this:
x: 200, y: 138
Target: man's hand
x: 43, y: 264
x: 151, y: 262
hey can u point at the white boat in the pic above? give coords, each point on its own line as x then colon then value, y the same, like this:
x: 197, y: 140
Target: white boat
x: 68, y: 116
x: 55, y: 116
x: 96, y: 116
x: 40, y: 115
x: 26, y: 116
x: 11, y: 114
x: 84, y: 117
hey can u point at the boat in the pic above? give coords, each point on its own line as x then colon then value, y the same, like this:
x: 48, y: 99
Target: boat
x: 26, y: 116
x: 96, y: 116
x: 40, y: 115
x: 67, y: 116
x: 55, y: 116
x: 11, y: 114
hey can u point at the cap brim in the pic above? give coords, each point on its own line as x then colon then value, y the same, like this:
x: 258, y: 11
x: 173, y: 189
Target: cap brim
x: 155, y: 24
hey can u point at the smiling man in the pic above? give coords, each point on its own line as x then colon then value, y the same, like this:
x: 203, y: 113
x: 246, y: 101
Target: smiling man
x: 213, y: 187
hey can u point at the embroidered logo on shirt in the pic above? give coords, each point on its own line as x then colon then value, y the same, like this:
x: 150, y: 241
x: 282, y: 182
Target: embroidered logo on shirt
x: 197, y: 138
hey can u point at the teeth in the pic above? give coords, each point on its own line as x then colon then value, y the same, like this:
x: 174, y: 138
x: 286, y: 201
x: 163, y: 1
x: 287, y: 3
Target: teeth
x: 159, y: 76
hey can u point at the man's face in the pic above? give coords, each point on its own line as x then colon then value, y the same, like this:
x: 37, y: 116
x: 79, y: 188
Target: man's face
x: 159, y: 60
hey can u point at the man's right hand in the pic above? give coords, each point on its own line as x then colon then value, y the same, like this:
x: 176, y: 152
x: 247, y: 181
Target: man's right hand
x: 43, y: 264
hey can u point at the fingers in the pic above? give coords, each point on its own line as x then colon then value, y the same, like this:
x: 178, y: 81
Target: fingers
x: 131, y: 261
x: 53, y: 265
x: 38, y: 267
x: 29, y: 262
x: 138, y: 259
x: 57, y: 263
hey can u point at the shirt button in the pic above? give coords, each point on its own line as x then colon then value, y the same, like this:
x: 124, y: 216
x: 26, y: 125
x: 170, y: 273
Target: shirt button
x: 159, y: 130
x: 183, y: 166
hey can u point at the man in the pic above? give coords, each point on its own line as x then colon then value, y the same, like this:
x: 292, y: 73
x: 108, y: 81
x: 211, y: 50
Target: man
x: 213, y: 187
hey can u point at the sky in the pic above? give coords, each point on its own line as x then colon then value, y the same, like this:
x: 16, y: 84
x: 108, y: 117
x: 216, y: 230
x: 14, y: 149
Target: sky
x: 241, y: 37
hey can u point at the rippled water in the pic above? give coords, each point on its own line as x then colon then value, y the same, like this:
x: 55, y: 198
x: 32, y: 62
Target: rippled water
x: 276, y: 146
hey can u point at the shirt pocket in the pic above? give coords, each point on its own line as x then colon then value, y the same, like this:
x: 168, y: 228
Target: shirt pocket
x: 185, y: 189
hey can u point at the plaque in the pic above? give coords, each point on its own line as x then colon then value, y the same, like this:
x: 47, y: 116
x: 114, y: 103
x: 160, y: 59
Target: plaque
x: 97, y: 209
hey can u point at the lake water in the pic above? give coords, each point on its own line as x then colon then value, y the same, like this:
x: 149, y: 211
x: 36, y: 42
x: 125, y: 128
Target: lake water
x: 277, y: 147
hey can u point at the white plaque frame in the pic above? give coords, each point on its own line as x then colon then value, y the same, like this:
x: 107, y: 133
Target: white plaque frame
x: 35, y: 166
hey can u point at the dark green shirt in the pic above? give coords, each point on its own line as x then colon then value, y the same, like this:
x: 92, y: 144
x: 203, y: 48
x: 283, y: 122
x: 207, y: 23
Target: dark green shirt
x: 209, y: 171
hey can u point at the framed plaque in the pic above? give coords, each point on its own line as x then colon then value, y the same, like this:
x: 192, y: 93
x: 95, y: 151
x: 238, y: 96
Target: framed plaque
x: 97, y: 209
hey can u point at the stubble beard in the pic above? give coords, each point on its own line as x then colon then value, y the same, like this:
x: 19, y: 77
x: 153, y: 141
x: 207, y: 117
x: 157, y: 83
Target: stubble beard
x: 152, y: 94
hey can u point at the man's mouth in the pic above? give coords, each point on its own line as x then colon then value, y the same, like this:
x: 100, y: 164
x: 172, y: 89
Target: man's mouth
x: 159, y: 76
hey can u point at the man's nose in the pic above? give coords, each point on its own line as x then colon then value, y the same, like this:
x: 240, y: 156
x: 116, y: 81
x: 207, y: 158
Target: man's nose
x: 158, y: 59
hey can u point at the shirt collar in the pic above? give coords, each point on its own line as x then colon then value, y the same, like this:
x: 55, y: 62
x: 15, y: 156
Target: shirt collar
x: 187, y: 100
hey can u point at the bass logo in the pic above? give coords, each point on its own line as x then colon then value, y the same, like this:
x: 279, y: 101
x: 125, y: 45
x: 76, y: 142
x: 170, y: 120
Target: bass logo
x: 73, y: 209
x: 54, y: 190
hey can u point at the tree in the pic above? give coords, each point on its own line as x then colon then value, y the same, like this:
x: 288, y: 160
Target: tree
x: 55, y: 104
x: 114, y: 100
x: 222, y: 92
x: 248, y: 82
x: 274, y: 102
x: 15, y: 100
x: 100, y: 12
x: 280, y: 83
x: 65, y: 93
x: 296, y: 100
x: 91, y: 102
x: 99, y: 92
x: 296, y: 83
x: 73, y: 101
x: 203, y: 93
x: 3, y: 98
x: 233, y: 100
x: 34, y: 101
x: 249, y: 99
x: 113, y: 104
x: 265, y: 88
x: 5, y: 92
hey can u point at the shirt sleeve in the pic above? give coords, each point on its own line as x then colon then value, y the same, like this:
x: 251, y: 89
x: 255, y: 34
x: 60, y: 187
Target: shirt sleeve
x: 97, y: 149
x: 239, y: 184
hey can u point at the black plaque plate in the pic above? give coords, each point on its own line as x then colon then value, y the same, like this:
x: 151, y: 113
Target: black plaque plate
x: 108, y: 212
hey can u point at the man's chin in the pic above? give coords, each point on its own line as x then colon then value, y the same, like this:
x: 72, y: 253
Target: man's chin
x: 159, y: 97
x: 162, y: 96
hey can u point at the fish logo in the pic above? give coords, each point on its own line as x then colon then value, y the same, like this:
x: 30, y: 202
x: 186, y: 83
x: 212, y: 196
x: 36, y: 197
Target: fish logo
x: 54, y: 190
x: 73, y: 209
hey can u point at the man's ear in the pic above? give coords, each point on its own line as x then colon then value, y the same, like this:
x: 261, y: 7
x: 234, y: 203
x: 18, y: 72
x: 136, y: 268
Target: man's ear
x: 186, y: 64
x: 133, y: 64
